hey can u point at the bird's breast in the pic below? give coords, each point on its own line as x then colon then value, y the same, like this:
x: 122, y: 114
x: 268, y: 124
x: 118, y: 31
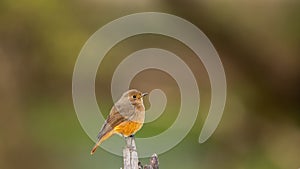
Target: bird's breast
x: 128, y: 128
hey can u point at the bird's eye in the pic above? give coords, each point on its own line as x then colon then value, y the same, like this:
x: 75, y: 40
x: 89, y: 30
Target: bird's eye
x: 134, y: 96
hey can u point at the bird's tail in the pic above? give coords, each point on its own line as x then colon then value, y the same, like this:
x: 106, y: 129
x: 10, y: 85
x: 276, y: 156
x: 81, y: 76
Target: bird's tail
x: 100, y: 140
x: 94, y: 148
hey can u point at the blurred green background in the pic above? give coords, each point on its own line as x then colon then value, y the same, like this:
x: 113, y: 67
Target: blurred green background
x: 258, y: 43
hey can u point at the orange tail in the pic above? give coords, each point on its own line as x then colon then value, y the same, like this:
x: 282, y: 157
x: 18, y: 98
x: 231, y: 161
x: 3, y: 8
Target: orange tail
x: 94, y: 149
x: 103, y: 138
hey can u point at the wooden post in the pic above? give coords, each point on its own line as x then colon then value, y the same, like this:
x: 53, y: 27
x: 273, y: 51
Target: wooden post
x: 130, y: 157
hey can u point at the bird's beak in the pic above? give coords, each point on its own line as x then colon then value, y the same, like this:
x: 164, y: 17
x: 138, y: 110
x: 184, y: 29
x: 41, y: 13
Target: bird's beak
x: 144, y: 94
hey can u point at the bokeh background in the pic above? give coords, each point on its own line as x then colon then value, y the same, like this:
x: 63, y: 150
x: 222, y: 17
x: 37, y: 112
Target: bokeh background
x: 258, y: 43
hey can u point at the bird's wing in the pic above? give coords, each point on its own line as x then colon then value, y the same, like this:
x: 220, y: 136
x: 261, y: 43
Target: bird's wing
x: 114, y: 118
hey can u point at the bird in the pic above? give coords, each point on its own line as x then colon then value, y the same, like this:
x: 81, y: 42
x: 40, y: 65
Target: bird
x: 126, y: 117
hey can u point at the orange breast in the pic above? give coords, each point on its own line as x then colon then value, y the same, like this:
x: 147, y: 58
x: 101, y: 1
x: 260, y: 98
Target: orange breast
x: 128, y: 128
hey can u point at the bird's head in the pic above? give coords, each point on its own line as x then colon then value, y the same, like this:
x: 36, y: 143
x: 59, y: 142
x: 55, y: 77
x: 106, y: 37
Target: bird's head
x: 134, y: 96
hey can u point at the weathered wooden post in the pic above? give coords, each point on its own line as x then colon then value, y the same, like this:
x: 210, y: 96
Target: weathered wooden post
x: 130, y: 157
